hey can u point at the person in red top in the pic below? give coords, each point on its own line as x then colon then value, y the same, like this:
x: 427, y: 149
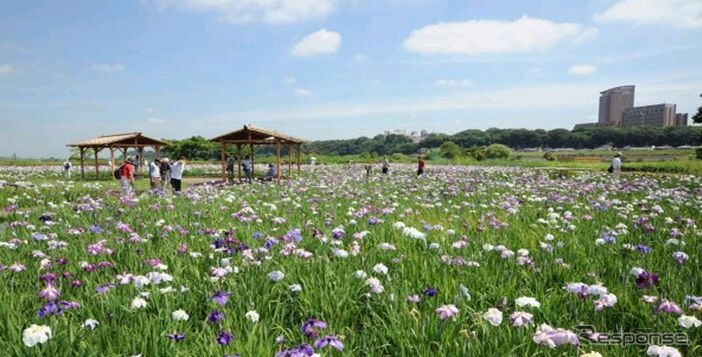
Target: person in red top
x: 126, y: 180
x: 420, y: 166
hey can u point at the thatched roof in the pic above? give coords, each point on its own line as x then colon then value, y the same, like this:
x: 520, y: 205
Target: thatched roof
x: 134, y: 139
x: 249, y: 132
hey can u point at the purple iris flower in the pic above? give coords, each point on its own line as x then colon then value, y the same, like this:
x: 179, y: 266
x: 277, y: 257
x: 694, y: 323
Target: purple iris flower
x: 646, y: 280
x: 215, y: 317
x: 429, y: 292
x: 220, y: 297
x: 176, y: 336
x: 45, y: 217
x: 49, y: 309
x: 224, y: 338
x: 295, y: 234
x: 642, y: 248
x: 257, y: 235
x: 103, y: 289
x: 270, y: 242
x: 372, y: 221
x: 309, y: 328
x: 302, y: 350
x: 669, y: 307
x: 95, y: 228
x: 329, y: 340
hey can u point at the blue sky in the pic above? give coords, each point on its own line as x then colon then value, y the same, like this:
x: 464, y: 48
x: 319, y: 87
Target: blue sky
x: 325, y: 69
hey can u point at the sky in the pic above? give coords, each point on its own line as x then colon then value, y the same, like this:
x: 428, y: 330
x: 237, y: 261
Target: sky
x: 331, y: 69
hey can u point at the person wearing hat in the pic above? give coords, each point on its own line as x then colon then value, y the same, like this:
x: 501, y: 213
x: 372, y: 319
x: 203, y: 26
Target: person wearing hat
x: 126, y: 180
x: 616, y: 166
x: 165, y: 170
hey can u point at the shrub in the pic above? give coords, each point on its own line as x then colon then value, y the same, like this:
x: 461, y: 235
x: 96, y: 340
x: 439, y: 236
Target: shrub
x: 497, y: 151
x: 549, y: 156
x: 698, y: 153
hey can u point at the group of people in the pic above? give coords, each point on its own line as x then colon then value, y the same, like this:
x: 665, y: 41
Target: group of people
x: 247, y: 168
x: 161, y: 173
x: 385, y: 168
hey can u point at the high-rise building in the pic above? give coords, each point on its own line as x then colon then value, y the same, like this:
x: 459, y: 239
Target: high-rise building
x: 613, y: 102
x: 681, y: 119
x: 650, y: 115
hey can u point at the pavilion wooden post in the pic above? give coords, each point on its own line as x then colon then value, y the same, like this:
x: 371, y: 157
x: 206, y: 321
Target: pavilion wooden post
x: 140, y: 150
x: 277, y: 155
x: 253, y: 162
x: 112, y: 159
x: 124, y: 154
x: 97, y: 165
x: 238, y: 160
x: 298, y: 159
x: 82, y: 162
x: 224, y: 177
x: 289, y: 161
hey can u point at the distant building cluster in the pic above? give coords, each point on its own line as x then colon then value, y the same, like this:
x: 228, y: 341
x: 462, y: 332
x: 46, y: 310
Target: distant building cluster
x: 617, y: 110
x: 414, y: 135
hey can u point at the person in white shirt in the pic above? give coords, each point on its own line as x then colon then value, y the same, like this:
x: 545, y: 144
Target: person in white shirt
x: 616, y: 166
x: 155, y: 174
x: 67, y: 169
x: 177, y: 174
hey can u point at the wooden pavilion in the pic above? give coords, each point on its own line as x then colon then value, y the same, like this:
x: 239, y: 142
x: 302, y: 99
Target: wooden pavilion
x: 114, y: 142
x: 252, y: 136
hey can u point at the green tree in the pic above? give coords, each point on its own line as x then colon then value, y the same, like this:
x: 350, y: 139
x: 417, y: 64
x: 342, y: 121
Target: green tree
x: 450, y: 150
x: 697, y: 118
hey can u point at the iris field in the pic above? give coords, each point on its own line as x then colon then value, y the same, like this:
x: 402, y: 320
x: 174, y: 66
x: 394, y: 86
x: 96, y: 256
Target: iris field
x: 466, y: 261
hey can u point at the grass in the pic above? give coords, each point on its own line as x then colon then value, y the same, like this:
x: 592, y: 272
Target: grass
x: 474, y: 202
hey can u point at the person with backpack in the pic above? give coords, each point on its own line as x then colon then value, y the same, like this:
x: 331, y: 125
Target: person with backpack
x: 126, y: 177
x: 177, y: 174
x: 67, y: 169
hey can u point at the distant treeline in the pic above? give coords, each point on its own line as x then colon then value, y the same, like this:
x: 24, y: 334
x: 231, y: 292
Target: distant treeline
x: 201, y: 148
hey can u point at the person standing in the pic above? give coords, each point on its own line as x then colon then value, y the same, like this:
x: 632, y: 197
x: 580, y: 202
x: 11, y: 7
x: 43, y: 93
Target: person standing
x: 616, y: 166
x: 231, y: 162
x: 155, y: 174
x: 368, y: 167
x: 420, y: 166
x: 126, y: 179
x: 177, y: 174
x: 246, y: 165
x: 165, y: 170
x: 67, y: 169
x: 386, y: 166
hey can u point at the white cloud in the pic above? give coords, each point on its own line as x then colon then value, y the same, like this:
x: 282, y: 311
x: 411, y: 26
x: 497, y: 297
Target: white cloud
x: 107, y: 68
x: 580, y: 97
x: 7, y: 69
x: 289, y: 80
x: 453, y: 82
x: 476, y: 37
x: 586, y: 35
x: 149, y: 110
x: 360, y: 58
x: 302, y: 92
x: 678, y: 13
x: 322, y: 42
x: 268, y: 11
x: 157, y: 121
x: 582, y: 69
